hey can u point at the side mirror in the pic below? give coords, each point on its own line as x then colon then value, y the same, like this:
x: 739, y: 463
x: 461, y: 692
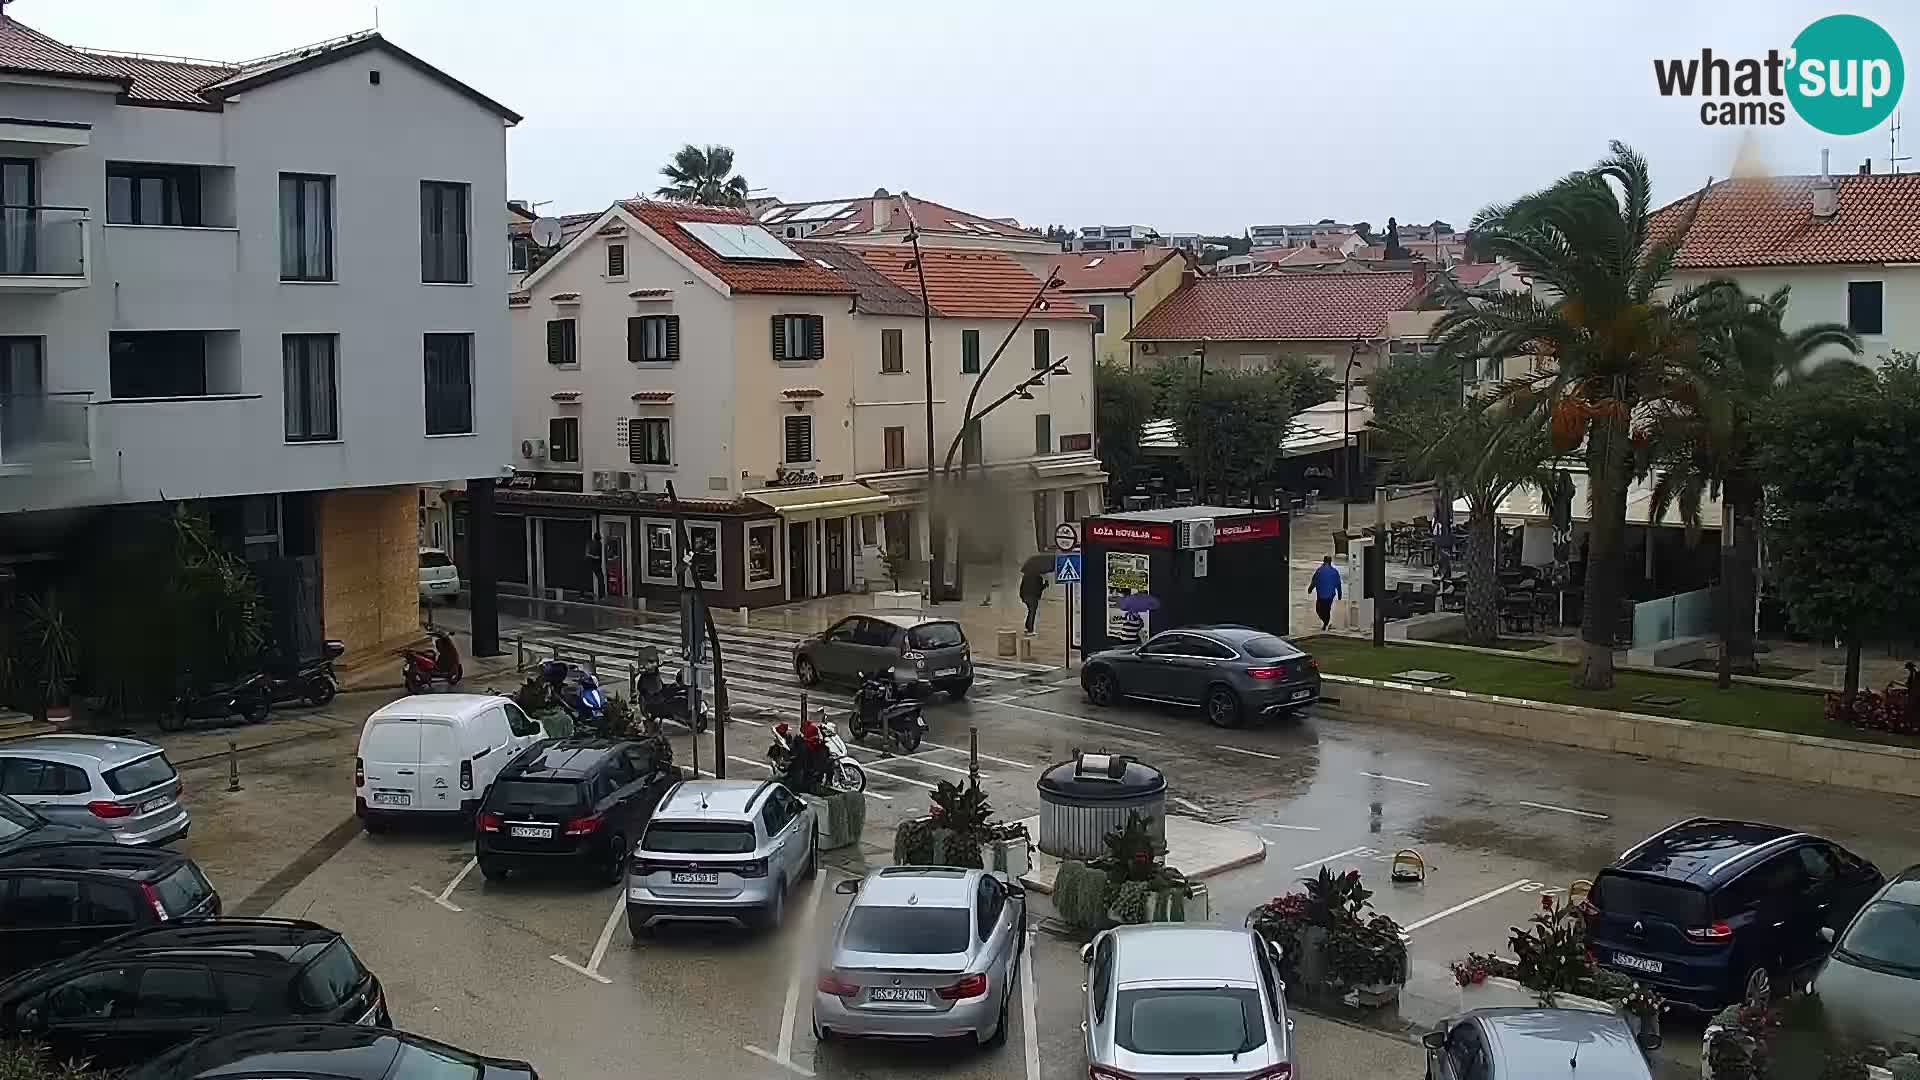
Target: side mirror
x: 1086, y: 954
x: 1827, y: 935
x: 1274, y: 950
x: 1016, y: 891
x: 1434, y: 1040
x: 848, y: 887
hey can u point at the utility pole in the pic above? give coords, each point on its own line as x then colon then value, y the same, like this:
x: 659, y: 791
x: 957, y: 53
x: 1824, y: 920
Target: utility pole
x: 683, y: 573
x: 936, y: 528
x: 1377, y: 567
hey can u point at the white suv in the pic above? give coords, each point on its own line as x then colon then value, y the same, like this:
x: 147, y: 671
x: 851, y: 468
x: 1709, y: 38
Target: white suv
x: 721, y: 851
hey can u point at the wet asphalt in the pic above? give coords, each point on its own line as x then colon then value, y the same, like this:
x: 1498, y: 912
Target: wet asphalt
x: 547, y: 971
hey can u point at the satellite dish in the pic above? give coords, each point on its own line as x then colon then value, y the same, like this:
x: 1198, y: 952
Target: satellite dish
x: 546, y: 231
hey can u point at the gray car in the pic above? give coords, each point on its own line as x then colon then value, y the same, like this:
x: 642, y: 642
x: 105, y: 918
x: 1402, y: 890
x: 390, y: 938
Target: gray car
x: 1534, y: 1044
x: 124, y: 786
x: 721, y: 851
x: 1194, y: 1001
x: 1869, y: 986
x: 923, y: 952
x: 924, y: 654
x: 1232, y: 672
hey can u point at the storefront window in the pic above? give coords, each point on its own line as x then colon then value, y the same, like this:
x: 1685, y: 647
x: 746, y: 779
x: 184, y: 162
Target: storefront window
x: 660, y: 552
x: 761, y: 568
x: 704, y: 541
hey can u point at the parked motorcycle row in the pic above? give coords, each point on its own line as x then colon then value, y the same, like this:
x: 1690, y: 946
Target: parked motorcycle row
x: 310, y: 681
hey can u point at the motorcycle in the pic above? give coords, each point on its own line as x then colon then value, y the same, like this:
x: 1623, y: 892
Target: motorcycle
x: 582, y: 699
x: 420, y: 669
x: 246, y: 698
x: 879, y: 708
x: 660, y: 700
x: 311, y: 681
x: 842, y: 772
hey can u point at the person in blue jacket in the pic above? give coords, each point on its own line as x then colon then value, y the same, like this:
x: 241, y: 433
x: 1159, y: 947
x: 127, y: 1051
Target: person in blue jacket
x: 1325, y: 588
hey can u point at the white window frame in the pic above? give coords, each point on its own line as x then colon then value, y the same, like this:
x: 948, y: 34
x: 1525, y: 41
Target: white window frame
x: 746, y: 553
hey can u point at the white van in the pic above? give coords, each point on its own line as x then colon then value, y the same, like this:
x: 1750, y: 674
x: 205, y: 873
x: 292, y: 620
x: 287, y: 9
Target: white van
x: 435, y: 754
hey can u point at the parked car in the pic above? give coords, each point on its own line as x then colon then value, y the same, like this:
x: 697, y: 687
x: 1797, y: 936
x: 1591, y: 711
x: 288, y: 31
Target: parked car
x: 573, y: 804
x: 721, y: 851
x: 1232, y: 672
x: 1192, y: 1001
x: 58, y: 900
x: 925, y: 654
x: 124, y: 786
x: 1710, y: 912
x: 135, y: 996
x: 22, y: 827
x: 923, y: 951
x: 333, y: 1051
x: 435, y: 754
x: 1869, y: 987
x: 439, y: 577
x: 1534, y: 1044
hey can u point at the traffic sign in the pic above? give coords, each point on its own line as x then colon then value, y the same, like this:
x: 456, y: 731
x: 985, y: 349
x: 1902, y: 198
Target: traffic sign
x: 1066, y: 567
x: 1066, y: 537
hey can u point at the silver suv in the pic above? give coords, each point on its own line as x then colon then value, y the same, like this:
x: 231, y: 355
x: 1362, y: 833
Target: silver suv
x: 721, y: 851
x: 124, y: 786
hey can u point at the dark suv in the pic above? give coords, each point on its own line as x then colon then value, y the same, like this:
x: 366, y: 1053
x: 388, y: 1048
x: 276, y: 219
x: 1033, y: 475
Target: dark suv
x: 60, y: 899
x: 135, y: 996
x: 570, y: 803
x: 1711, y: 912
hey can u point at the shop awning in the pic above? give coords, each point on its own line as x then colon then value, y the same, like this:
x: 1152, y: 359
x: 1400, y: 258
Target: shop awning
x: 820, y: 500
x: 1526, y: 503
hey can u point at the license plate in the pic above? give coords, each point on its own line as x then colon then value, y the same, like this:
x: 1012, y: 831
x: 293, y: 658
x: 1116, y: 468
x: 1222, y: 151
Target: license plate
x: 152, y: 805
x: 392, y: 798
x: 531, y: 832
x: 896, y: 993
x: 946, y: 671
x: 693, y: 877
x: 1302, y: 695
x: 1639, y: 963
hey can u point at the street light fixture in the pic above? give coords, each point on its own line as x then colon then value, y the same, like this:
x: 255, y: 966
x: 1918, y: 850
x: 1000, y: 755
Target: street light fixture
x: 1346, y: 438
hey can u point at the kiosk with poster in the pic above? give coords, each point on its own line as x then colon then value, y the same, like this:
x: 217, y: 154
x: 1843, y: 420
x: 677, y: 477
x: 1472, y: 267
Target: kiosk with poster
x: 1151, y: 570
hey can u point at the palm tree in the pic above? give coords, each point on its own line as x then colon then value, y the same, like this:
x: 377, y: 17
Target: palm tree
x: 1691, y: 451
x: 703, y: 176
x: 1606, y: 337
x: 1473, y: 451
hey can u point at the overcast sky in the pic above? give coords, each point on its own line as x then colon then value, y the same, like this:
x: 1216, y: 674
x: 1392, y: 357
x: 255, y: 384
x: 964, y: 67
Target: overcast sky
x: 1204, y: 116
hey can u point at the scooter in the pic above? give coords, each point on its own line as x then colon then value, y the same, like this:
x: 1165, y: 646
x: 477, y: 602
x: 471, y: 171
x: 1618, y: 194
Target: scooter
x: 661, y: 700
x: 843, y: 773
x: 311, y: 681
x: 420, y: 669
x: 878, y: 708
x: 246, y: 699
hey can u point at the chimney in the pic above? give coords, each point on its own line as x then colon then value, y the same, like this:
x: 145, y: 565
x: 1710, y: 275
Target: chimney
x: 517, y: 204
x: 1419, y: 277
x: 1866, y: 167
x: 882, y: 210
x: 1188, y: 277
x: 1826, y: 193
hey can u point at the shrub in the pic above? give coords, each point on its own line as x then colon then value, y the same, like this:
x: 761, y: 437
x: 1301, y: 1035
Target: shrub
x: 1080, y: 895
x: 26, y: 1061
x: 1477, y: 968
x: 965, y: 811
x: 1129, y: 904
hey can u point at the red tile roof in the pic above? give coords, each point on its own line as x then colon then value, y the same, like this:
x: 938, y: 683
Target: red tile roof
x: 972, y: 284
x: 1471, y: 273
x: 1770, y: 222
x: 1278, y: 307
x: 1304, y: 255
x: 168, y: 82
x: 933, y: 218
x: 24, y: 49
x: 739, y: 275
x: 876, y: 295
x: 1111, y: 271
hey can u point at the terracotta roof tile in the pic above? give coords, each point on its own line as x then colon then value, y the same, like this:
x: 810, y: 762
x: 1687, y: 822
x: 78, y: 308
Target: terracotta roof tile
x: 970, y: 284
x: 24, y: 49
x: 933, y: 218
x: 1769, y: 222
x: 740, y: 275
x: 1472, y: 273
x: 172, y: 82
x: 877, y: 295
x: 1111, y: 271
x: 1278, y: 307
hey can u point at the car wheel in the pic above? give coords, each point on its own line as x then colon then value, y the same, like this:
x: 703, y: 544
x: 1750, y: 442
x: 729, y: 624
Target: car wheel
x: 1758, y: 987
x: 616, y: 869
x: 637, y: 926
x: 1223, y: 707
x: 999, y: 1036
x: 373, y: 824
x: 775, y: 913
x: 804, y: 670
x: 813, y: 859
x: 492, y: 871
x: 822, y: 1034
x: 958, y: 688
x: 174, y: 720
x: 1100, y: 687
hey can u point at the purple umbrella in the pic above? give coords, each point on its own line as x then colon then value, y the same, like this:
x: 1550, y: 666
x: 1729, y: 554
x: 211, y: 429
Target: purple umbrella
x: 1138, y: 603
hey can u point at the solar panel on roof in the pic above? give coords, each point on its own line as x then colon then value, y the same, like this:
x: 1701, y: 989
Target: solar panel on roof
x: 739, y: 241
x: 814, y: 213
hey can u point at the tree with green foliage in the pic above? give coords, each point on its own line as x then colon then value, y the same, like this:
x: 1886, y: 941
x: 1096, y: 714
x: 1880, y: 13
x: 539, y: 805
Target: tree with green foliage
x: 1124, y: 399
x: 703, y: 175
x: 1312, y: 382
x: 1231, y: 424
x: 1606, y: 337
x: 1843, y: 504
x: 1693, y: 451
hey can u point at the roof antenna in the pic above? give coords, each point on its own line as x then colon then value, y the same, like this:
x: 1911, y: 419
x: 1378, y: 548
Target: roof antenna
x: 376, y: 16
x: 1574, y: 1062
x: 1894, y: 156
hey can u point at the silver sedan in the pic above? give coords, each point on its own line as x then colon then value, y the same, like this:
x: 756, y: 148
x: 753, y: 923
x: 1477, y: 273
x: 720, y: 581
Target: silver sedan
x: 923, y: 952
x: 1194, y: 1001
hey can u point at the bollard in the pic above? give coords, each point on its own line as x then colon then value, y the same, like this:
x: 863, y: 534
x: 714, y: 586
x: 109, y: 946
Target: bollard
x: 973, y: 755
x: 233, y: 765
x: 746, y: 616
x: 519, y: 654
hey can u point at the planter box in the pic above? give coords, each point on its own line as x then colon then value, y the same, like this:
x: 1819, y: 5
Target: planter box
x: 1375, y: 995
x: 840, y: 818
x: 1012, y: 857
x: 1874, y: 1072
x: 1499, y: 992
x: 896, y: 600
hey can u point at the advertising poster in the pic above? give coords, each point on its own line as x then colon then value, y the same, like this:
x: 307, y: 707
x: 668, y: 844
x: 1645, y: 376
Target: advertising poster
x: 1126, y: 575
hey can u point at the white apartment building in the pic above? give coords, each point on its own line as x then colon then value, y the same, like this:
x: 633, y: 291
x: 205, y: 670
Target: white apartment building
x: 259, y: 287
x: 1114, y: 238
x: 1297, y: 235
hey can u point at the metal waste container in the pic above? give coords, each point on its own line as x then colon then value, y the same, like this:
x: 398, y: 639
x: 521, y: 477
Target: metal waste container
x: 1083, y: 800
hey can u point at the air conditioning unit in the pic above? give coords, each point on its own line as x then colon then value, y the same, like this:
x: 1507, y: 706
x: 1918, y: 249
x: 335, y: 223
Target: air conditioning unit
x: 533, y: 448
x: 623, y: 480
x: 1148, y: 348
x: 602, y: 480
x: 1193, y: 533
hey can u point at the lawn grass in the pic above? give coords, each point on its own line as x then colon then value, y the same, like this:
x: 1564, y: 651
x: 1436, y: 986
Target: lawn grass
x: 1742, y: 705
x: 1507, y: 644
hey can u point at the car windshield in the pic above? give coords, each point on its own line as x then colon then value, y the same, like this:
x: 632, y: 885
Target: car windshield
x: 434, y: 560
x: 1267, y: 647
x: 937, y: 635
x: 183, y: 890
x: 1633, y: 897
x: 16, y: 820
x: 878, y: 929
x: 1886, y: 935
x: 332, y: 977
x: 555, y: 793
x: 698, y: 838
x: 1209, y: 1020
x: 139, y: 775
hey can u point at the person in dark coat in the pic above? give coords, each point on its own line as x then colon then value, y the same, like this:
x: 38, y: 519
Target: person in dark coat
x: 1031, y: 586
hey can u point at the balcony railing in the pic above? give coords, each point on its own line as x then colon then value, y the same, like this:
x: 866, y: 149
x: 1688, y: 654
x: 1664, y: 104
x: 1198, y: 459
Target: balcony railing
x: 45, y: 429
x: 43, y: 241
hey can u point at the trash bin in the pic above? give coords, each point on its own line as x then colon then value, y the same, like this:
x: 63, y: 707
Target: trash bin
x: 1083, y: 800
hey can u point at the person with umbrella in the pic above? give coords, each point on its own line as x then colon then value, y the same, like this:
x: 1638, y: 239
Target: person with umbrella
x: 1033, y: 582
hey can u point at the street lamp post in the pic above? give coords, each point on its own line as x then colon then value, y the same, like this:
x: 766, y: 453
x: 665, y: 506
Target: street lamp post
x: 936, y: 530
x: 1346, y: 436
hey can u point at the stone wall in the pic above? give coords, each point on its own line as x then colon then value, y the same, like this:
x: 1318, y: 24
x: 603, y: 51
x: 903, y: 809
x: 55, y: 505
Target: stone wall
x: 368, y: 544
x: 1805, y: 758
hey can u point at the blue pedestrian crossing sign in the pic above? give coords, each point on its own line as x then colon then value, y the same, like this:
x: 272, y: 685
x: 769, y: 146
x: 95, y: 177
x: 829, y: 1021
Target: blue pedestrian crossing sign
x: 1066, y: 567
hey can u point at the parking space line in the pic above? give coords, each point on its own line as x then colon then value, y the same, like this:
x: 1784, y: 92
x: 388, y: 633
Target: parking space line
x: 1565, y: 810
x: 1083, y: 720
x: 455, y: 883
x: 1458, y: 908
x: 884, y: 756
x: 1295, y: 828
x: 769, y: 768
x: 983, y: 757
x: 1189, y: 804
x: 592, y: 970
x: 441, y: 900
x: 802, y: 974
x: 595, y: 976
x: 1027, y: 1022
x: 1249, y: 753
x: 1397, y: 779
x: 1330, y: 858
